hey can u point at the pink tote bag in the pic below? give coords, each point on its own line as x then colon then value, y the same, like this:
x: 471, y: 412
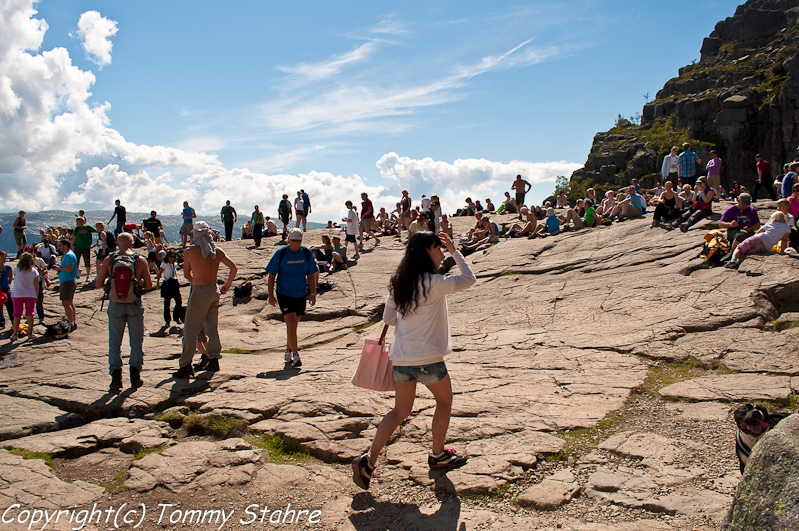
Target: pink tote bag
x: 375, y: 370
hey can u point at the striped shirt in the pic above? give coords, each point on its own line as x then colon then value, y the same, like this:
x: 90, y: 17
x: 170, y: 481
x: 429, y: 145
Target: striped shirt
x: 687, y: 163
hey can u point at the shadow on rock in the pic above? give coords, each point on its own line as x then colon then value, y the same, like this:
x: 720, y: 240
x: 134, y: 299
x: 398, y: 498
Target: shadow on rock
x: 402, y: 516
x: 283, y: 374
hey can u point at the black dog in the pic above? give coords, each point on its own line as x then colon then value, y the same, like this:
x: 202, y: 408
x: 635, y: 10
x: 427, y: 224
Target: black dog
x: 753, y: 421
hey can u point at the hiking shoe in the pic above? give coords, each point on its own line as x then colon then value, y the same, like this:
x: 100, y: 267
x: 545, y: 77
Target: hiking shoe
x: 362, y: 471
x: 287, y: 356
x: 213, y: 365
x: 185, y: 372
x: 135, y: 377
x: 295, y: 360
x: 732, y: 264
x: 684, y: 227
x: 202, y: 364
x: 116, y: 381
x: 448, y: 459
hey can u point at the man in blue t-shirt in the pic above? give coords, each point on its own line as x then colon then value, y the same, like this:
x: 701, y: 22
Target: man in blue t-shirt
x: 290, y: 268
x: 67, y: 276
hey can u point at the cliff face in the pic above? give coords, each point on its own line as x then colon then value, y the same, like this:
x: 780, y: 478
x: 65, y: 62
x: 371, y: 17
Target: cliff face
x: 740, y: 98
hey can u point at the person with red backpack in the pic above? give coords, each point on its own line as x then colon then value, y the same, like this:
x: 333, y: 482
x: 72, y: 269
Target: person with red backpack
x: 128, y: 275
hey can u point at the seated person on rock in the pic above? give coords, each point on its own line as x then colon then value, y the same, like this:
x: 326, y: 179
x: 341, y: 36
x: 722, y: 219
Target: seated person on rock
x: 669, y: 206
x: 562, y: 200
x: 445, y: 226
x: 270, y: 229
x: 740, y: 220
x: 246, y: 231
x: 687, y: 195
x: 491, y: 234
x: 551, y: 225
x: 469, y: 209
x: 632, y: 206
x: 702, y: 208
x: 653, y: 195
x: 572, y: 216
x: 517, y: 231
x: 510, y: 204
x: 339, y: 255
x: 478, y: 230
x: 489, y: 206
x: 776, y: 230
x: 735, y: 191
x: 607, y: 205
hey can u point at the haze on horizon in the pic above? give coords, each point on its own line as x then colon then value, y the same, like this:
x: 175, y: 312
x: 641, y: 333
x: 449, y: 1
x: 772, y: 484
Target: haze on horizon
x: 157, y: 103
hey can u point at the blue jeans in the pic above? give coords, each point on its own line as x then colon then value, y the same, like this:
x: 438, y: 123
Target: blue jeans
x: 120, y: 314
x: 424, y: 374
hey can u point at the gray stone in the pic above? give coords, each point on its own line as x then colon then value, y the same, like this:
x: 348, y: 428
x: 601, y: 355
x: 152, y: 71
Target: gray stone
x: 732, y: 387
x: 766, y: 496
x: 550, y: 494
x: 604, y: 482
x: 22, y: 416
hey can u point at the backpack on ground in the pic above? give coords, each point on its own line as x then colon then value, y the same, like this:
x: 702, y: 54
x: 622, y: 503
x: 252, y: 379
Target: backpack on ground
x: 122, y: 285
x: 243, y: 289
x: 59, y: 329
x: 715, y: 246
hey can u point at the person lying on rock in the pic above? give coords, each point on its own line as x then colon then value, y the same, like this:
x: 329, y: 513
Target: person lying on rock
x: 773, y: 232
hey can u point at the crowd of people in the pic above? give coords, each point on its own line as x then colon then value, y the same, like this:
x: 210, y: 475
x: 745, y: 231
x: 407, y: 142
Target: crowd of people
x: 416, y: 300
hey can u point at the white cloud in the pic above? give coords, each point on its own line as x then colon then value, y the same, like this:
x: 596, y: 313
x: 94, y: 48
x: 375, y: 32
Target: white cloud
x: 333, y: 65
x: 95, y: 32
x: 59, y: 151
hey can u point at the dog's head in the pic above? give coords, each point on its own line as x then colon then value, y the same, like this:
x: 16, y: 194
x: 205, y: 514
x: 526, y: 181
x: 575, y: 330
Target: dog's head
x: 752, y: 419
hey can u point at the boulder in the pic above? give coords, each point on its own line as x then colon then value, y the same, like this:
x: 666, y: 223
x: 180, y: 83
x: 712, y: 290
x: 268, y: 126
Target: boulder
x: 767, y: 495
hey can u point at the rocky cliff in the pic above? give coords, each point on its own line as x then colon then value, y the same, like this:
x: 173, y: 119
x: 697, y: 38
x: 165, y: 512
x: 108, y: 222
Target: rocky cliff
x: 740, y: 98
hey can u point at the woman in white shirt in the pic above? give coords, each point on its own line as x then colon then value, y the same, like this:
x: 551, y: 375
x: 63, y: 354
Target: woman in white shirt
x: 26, y: 290
x: 417, y: 307
x: 170, y: 289
x: 670, y: 170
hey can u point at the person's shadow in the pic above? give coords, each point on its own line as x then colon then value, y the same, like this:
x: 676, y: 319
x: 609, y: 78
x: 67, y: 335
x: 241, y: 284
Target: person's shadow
x: 391, y: 516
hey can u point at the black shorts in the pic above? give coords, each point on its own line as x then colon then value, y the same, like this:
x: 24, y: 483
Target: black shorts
x: 349, y: 238
x: 291, y: 304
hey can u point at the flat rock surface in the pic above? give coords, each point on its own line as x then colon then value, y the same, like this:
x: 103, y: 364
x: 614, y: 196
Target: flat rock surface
x: 556, y: 334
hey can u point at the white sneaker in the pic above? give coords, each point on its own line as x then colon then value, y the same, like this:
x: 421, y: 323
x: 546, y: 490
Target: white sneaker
x: 296, y: 362
x: 287, y: 356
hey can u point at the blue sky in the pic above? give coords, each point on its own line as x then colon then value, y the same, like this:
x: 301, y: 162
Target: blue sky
x: 161, y: 102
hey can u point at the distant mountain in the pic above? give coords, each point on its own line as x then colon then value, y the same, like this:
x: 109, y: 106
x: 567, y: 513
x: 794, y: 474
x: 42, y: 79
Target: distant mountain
x: 59, y: 218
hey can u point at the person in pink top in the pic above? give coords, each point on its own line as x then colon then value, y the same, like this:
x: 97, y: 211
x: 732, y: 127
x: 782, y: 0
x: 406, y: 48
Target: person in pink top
x: 713, y: 168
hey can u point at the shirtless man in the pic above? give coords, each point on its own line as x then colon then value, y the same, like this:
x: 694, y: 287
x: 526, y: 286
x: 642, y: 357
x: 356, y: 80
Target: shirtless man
x: 521, y: 187
x: 200, y: 267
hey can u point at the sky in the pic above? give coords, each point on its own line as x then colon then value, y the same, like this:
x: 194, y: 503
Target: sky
x: 157, y: 103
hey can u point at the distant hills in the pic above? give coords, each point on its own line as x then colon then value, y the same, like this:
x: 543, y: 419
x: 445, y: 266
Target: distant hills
x: 60, y: 218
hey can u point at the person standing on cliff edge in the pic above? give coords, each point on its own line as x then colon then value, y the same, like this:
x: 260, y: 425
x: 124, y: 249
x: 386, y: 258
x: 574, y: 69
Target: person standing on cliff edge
x: 764, y: 179
x: 688, y: 161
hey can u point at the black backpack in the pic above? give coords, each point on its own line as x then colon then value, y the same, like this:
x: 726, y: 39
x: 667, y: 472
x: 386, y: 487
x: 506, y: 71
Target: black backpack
x: 283, y: 209
x: 243, y: 289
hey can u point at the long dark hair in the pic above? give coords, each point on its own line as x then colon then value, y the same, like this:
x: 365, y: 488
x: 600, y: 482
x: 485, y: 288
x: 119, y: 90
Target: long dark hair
x: 405, y: 284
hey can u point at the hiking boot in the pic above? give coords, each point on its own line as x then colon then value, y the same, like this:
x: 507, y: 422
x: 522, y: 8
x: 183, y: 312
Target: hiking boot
x: 202, y: 364
x: 185, y: 372
x: 362, y: 471
x: 448, y: 460
x: 287, y: 356
x: 684, y: 227
x: 213, y: 365
x: 116, y: 381
x: 732, y: 264
x: 135, y: 377
x: 295, y: 360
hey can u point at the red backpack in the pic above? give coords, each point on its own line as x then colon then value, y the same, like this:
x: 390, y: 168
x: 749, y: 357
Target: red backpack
x: 123, y: 286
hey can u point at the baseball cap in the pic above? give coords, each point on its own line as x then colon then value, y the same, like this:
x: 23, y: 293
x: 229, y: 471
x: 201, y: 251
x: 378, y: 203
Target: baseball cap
x: 295, y: 234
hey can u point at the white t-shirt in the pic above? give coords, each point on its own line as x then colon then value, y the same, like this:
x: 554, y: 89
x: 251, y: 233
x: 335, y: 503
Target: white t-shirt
x: 352, y: 222
x: 25, y: 283
x: 423, y: 336
x: 47, y: 251
x: 299, y: 205
x: 170, y: 270
x: 772, y: 233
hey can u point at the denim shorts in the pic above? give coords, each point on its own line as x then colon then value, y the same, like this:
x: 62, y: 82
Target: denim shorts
x: 424, y: 374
